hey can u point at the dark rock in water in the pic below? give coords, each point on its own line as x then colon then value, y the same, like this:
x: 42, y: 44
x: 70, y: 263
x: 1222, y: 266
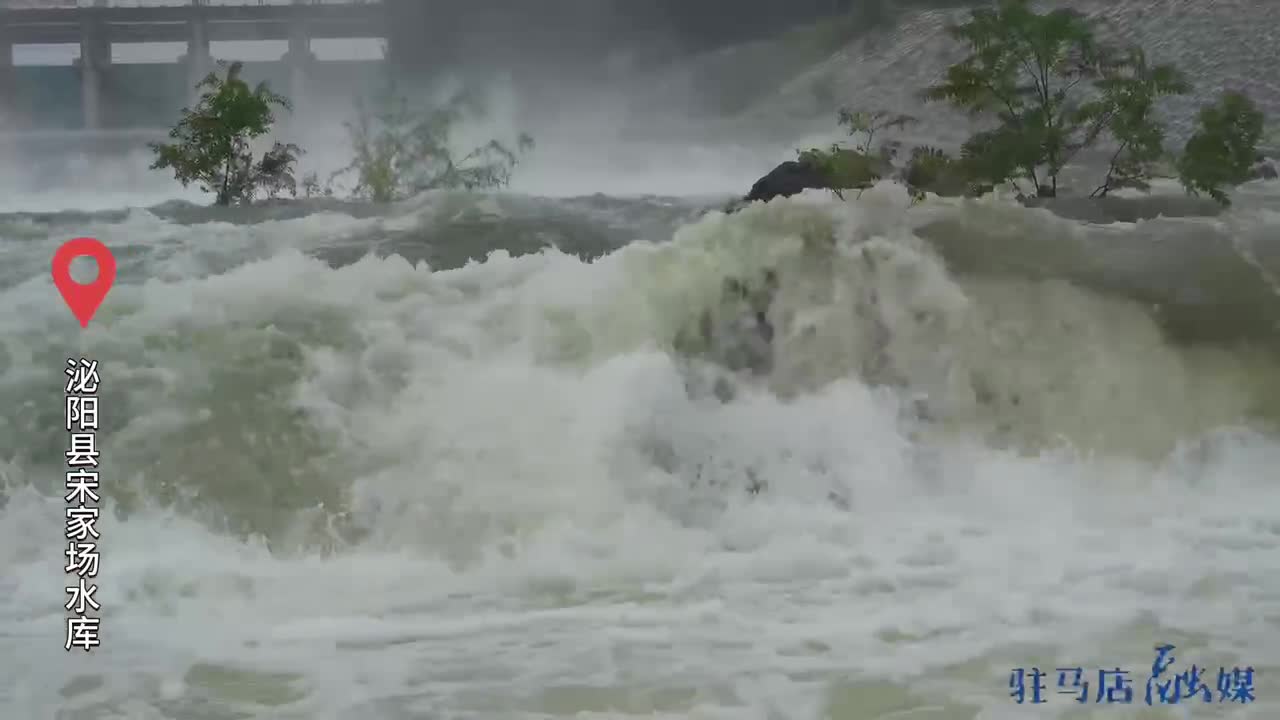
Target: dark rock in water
x: 1264, y: 170
x: 789, y: 178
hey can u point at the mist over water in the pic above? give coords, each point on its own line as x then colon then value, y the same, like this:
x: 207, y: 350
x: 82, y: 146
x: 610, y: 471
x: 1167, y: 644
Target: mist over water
x: 459, y: 457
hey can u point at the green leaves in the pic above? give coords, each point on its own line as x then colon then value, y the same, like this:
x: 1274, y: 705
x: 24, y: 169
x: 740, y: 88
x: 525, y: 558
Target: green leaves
x: 1017, y: 59
x: 844, y: 168
x: 857, y: 168
x: 977, y: 89
x: 212, y: 141
x: 1024, y: 68
x: 996, y: 156
x: 1052, y: 90
x: 870, y: 123
x: 399, y: 151
x: 932, y: 170
x: 1027, y: 70
x: 1128, y: 91
x: 1223, y: 149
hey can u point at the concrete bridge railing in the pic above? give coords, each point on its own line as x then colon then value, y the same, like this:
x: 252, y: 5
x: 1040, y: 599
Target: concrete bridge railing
x: 94, y: 25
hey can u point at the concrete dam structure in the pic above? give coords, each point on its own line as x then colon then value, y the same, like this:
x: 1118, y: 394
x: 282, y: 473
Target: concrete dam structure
x: 95, y: 92
x: 106, y: 96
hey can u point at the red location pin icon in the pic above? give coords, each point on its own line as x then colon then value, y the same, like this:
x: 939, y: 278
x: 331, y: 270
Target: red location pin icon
x: 83, y: 299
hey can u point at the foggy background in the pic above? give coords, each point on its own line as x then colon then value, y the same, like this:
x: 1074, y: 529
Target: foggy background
x: 668, y: 97
x: 613, y: 92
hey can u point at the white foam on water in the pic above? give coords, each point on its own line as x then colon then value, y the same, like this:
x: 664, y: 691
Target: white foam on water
x: 552, y: 525
x: 386, y: 491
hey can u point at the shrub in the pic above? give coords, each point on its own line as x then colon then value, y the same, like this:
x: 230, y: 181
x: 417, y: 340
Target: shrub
x: 1224, y: 147
x: 399, y: 151
x: 213, y: 141
x: 1127, y: 107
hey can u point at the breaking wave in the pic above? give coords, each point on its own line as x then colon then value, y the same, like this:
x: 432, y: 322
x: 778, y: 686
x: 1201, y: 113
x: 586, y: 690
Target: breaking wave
x: 320, y: 458
x: 514, y: 456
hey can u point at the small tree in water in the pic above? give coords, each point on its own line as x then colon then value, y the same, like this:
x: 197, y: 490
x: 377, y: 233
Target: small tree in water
x: 1224, y: 148
x: 400, y: 152
x: 869, y: 124
x: 1127, y: 107
x: 927, y: 169
x: 1023, y: 67
x: 212, y: 141
x: 1029, y: 71
x: 861, y: 166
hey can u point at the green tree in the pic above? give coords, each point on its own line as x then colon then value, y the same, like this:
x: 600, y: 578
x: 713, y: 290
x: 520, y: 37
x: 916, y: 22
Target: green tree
x: 1127, y: 107
x: 844, y: 168
x: 1024, y: 68
x: 857, y: 167
x: 930, y: 169
x: 213, y: 141
x: 399, y: 151
x: 868, y: 124
x: 1053, y: 90
x: 1224, y: 148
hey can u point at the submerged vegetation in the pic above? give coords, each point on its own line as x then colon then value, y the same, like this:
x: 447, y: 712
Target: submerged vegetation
x: 1223, y: 149
x: 397, y: 150
x: 1050, y: 91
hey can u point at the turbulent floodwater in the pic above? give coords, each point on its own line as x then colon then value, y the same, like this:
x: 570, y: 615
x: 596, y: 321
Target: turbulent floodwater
x: 351, y: 485
x: 488, y: 457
